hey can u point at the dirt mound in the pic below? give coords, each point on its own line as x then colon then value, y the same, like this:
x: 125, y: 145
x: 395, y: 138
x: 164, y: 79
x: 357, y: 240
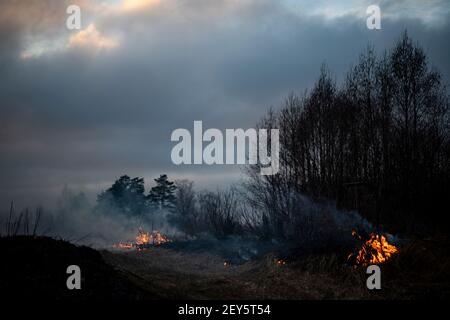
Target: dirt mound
x: 35, y: 267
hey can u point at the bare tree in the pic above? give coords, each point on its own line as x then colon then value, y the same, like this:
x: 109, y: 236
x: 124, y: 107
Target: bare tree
x: 386, y: 131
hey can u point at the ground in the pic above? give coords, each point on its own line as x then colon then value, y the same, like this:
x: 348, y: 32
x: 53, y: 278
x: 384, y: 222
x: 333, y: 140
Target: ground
x: 37, y: 267
x: 178, y: 275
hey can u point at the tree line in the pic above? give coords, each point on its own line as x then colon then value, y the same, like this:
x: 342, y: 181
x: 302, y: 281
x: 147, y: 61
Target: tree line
x: 127, y: 196
x: 191, y: 212
x: 379, y: 143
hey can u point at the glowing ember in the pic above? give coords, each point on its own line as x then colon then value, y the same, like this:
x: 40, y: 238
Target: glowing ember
x: 144, y: 239
x: 376, y: 250
x: 123, y: 246
x: 280, y: 262
x: 156, y: 238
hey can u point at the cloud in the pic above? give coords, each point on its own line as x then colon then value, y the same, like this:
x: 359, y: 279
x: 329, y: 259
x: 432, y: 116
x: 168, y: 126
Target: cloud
x: 23, y: 23
x: 137, y: 5
x: 44, y: 32
x: 70, y: 117
x: 91, y: 38
x: 432, y: 13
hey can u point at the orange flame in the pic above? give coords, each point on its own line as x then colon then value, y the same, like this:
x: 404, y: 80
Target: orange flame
x: 123, y: 245
x: 376, y: 250
x: 144, y: 239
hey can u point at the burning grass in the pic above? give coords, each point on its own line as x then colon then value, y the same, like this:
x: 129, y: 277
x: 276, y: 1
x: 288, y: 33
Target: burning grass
x: 144, y: 240
x: 375, y: 250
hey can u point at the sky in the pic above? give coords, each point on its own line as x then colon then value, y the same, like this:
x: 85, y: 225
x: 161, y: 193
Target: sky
x: 80, y: 108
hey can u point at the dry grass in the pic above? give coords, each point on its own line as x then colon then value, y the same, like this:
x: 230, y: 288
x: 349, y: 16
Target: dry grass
x: 175, y: 274
x: 420, y: 271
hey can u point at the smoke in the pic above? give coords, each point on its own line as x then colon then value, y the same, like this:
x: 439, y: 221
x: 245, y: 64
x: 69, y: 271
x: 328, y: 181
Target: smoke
x: 79, y: 221
x: 312, y: 224
x: 324, y: 217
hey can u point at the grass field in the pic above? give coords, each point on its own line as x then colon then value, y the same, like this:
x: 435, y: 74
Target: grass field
x: 37, y: 267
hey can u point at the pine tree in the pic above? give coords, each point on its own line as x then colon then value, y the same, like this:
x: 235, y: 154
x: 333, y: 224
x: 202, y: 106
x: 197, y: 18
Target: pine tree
x: 126, y: 196
x: 162, y: 195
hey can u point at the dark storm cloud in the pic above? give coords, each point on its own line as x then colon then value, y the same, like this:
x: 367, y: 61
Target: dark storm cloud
x: 82, y: 117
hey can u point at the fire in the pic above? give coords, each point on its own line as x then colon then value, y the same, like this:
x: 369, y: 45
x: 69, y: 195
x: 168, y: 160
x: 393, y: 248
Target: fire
x: 123, y: 245
x: 376, y: 250
x: 144, y: 239
x: 280, y: 262
x: 157, y: 238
